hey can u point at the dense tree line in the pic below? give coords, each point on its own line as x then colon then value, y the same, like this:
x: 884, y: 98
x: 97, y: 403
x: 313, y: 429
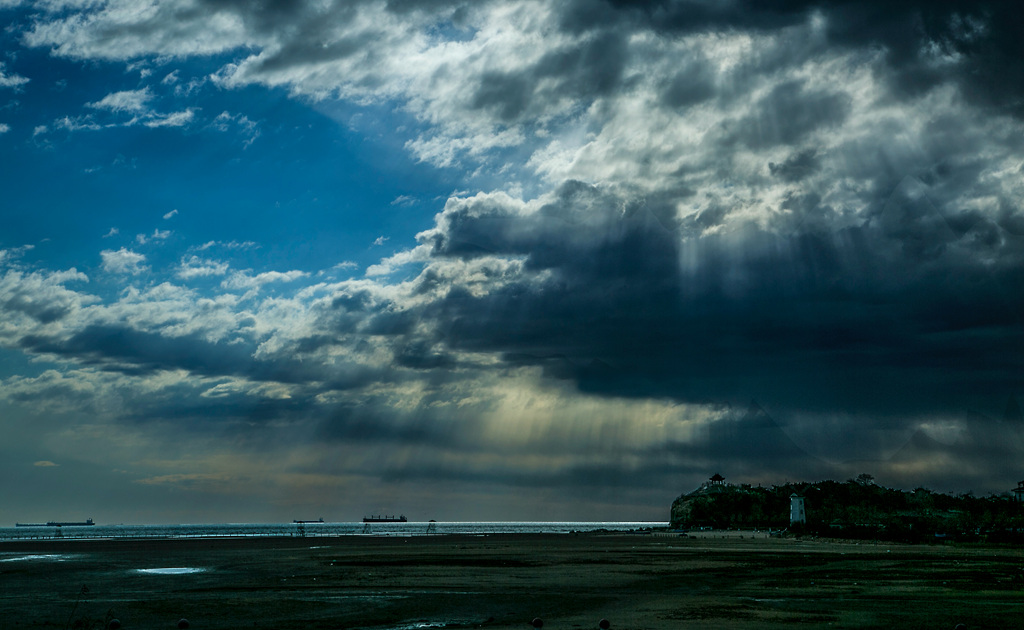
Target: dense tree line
x: 856, y: 508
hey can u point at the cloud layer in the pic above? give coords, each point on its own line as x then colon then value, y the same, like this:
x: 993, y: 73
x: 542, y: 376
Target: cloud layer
x: 676, y: 208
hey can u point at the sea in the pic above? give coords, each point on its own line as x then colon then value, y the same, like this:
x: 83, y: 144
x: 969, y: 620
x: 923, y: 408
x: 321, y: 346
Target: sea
x: 317, y: 529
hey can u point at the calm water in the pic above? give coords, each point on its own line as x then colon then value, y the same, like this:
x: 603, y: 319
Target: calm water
x: 315, y: 529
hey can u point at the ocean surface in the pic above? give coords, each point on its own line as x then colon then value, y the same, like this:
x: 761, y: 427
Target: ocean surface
x: 242, y: 530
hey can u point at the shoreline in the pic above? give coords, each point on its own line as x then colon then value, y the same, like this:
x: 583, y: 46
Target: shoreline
x: 718, y: 539
x: 636, y: 581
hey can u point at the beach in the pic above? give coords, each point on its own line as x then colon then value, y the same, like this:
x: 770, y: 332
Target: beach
x: 635, y: 581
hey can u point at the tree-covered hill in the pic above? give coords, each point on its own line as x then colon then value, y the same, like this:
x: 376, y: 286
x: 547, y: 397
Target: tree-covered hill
x: 856, y: 508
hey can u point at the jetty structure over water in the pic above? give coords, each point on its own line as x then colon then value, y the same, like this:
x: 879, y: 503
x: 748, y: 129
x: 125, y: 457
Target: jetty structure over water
x: 385, y: 519
x: 86, y: 523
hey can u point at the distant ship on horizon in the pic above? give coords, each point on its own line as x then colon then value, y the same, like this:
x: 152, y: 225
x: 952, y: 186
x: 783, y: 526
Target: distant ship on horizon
x: 385, y: 519
x: 302, y: 522
x: 86, y: 523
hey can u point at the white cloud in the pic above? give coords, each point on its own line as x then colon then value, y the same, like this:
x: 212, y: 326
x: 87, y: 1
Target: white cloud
x: 176, y: 119
x: 190, y: 87
x: 170, y: 214
x: 132, y: 31
x: 4, y: 127
x: 242, y: 280
x: 132, y: 101
x: 123, y: 261
x: 10, y: 80
x: 246, y: 127
x: 171, y: 310
x: 387, y: 266
x: 158, y: 235
x: 230, y: 245
x: 137, y: 103
x: 78, y: 123
x: 37, y: 301
x: 196, y: 267
x: 14, y: 252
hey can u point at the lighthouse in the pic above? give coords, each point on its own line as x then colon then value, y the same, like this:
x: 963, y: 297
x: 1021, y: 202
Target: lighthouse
x: 797, y: 514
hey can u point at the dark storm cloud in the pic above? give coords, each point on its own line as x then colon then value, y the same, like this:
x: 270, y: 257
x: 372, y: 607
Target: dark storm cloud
x: 360, y: 425
x: 593, y: 67
x: 692, y: 84
x: 985, y: 450
x: 376, y: 425
x: 982, y: 36
x: 421, y: 356
x: 986, y: 34
x: 124, y: 349
x: 233, y: 414
x: 895, y: 316
x: 26, y: 301
x: 508, y: 95
x: 787, y: 114
x: 797, y: 166
x: 745, y: 441
x: 610, y: 476
x: 590, y: 68
x: 40, y: 296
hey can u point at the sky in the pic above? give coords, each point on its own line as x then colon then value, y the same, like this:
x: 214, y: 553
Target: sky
x: 503, y: 259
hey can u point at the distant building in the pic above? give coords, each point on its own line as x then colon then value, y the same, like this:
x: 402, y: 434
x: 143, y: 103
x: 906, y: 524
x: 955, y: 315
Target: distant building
x: 717, y: 480
x: 797, y: 513
x: 1018, y: 492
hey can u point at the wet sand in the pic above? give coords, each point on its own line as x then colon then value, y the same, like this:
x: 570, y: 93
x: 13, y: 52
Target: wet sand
x: 570, y: 581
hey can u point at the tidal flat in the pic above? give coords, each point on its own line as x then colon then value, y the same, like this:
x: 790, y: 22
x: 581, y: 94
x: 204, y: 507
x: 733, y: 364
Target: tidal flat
x: 636, y: 582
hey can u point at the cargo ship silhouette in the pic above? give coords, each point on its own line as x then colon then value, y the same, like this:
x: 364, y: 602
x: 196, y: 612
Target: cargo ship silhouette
x: 385, y: 519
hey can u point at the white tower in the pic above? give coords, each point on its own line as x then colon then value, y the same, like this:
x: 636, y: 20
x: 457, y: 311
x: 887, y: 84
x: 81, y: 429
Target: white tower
x: 796, y: 509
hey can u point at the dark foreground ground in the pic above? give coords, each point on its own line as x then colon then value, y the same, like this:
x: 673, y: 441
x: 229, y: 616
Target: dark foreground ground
x: 570, y: 581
